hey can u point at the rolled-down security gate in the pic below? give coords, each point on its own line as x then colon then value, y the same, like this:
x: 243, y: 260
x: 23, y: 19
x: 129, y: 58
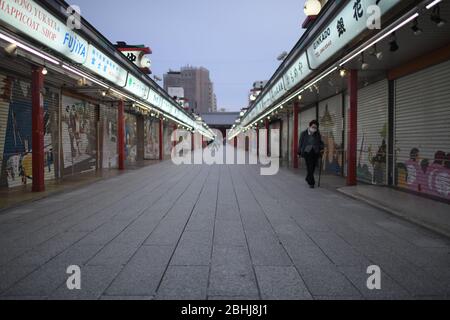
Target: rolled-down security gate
x: 422, y: 131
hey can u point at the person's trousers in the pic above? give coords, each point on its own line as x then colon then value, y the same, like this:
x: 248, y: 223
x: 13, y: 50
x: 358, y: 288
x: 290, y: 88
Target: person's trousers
x: 311, y: 163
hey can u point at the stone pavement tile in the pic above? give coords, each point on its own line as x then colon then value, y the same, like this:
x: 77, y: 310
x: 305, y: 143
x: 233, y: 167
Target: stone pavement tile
x: 390, y: 290
x: 414, y: 279
x: 310, y: 223
x: 167, y: 233
x: 338, y: 298
x: 9, y: 275
x: 105, y: 233
x: 289, y: 232
x: 204, y: 222
x: 327, y: 281
x: 234, y: 298
x: 228, y: 212
x: 192, y: 255
x: 230, y: 281
x: 442, y: 275
x: 48, y: 250
x: 339, y: 251
x: 9, y: 253
x: 184, y: 283
x: 94, y: 281
x: 113, y: 254
x: 281, y: 283
x: 77, y: 254
x: 267, y: 251
x: 233, y: 256
x: 142, y: 275
x: 40, y: 283
x: 194, y: 249
x: 307, y: 255
x: 229, y: 232
x: 125, y: 298
x: 136, y: 234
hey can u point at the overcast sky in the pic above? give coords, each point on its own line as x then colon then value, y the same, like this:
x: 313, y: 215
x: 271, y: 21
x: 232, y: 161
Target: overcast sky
x: 237, y: 40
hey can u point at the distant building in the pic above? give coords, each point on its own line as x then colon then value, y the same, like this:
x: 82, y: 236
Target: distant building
x: 198, y: 89
x: 221, y: 121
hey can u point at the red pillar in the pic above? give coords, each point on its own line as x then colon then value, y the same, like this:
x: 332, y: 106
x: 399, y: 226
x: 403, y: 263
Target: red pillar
x: 353, y: 128
x: 267, y: 136
x: 295, y: 137
x: 37, y: 123
x: 235, y: 142
x: 121, y: 135
x: 161, y: 139
x: 192, y: 142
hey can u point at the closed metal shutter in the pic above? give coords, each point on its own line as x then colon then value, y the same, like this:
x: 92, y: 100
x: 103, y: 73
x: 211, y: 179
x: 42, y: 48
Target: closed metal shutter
x: 285, y: 139
x: 331, y: 128
x: 275, y: 126
x: 151, y: 139
x: 79, y: 133
x: 372, y: 148
x: 5, y: 99
x: 108, y: 124
x: 16, y: 131
x: 167, y: 139
x: 130, y: 138
x: 52, y: 100
x: 422, y: 131
x: 305, y: 118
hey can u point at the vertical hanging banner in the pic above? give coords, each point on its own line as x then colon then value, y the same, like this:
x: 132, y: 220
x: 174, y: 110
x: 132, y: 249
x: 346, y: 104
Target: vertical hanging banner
x: 33, y: 20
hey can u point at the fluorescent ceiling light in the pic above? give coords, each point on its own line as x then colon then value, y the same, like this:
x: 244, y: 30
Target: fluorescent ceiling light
x: 432, y: 4
x: 122, y: 94
x: 414, y: 16
x: 29, y: 49
x: 81, y: 74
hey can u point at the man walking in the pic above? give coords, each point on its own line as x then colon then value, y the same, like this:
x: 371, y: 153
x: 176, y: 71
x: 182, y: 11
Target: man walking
x: 311, y: 148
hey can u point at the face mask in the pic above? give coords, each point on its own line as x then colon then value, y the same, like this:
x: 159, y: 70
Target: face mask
x: 313, y: 130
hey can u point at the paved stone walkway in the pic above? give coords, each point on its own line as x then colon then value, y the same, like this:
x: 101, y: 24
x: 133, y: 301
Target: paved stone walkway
x: 214, y: 232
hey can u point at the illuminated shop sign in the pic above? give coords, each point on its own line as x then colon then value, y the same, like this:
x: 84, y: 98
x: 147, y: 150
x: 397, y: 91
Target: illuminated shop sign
x: 99, y: 63
x: 345, y: 27
x: 137, y: 87
x: 34, y: 21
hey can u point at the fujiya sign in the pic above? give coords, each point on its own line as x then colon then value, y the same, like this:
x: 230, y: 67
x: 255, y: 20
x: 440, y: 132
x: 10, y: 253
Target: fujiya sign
x: 31, y: 19
x: 345, y: 27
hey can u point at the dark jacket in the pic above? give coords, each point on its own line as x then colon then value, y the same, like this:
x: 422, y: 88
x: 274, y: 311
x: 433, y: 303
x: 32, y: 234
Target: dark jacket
x: 317, y: 143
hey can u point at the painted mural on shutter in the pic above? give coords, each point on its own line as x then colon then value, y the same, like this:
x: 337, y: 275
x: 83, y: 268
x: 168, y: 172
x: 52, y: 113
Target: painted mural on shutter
x: 285, y: 139
x: 108, y: 119
x: 275, y: 126
x: 151, y: 139
x: 78, y: 135
x: 16, y: 133
x: 422, y: 131
x: 331, y: 126
x: 5, y: 100
x: 52, y: 99
x: 167, y: 134
x: 372, y: 133
x: 130, y: 138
